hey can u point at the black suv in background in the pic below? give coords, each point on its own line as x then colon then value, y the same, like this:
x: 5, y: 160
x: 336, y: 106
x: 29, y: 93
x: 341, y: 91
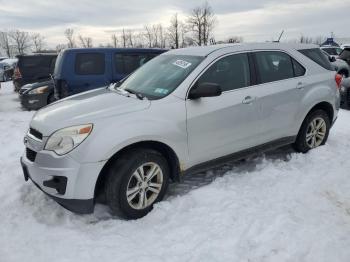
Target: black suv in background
x: 33, y: 68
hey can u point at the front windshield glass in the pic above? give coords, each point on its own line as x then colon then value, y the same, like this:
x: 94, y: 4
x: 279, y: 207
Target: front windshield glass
x: 160, y: 76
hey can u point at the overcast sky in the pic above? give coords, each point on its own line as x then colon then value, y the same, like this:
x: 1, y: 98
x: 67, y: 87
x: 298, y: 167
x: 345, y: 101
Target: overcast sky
x: 254, y: 20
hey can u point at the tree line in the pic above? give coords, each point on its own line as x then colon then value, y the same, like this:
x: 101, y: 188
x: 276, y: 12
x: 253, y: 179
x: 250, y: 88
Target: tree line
x: 195, y: 28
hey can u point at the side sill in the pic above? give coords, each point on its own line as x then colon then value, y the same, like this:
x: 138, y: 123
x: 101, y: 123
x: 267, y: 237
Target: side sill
x: 240, y: 155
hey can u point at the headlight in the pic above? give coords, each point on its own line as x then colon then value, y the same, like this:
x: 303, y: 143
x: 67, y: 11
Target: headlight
x: 38, y: 90
x: 66, y: 139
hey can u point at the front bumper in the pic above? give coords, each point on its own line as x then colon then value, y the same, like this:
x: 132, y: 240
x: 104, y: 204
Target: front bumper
x: 81, y: 206
x: 68, y: 182
x: 33, y: 102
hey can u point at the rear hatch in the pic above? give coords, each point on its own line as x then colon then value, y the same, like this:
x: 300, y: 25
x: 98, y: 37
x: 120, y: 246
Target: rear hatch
x: 35, y: 68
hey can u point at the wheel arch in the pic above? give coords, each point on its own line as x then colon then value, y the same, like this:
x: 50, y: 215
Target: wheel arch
x: 325, y: 106
x: 160, y: 147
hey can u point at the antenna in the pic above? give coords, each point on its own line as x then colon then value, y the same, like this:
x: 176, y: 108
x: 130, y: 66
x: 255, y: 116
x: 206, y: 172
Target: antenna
x: 280, y: 36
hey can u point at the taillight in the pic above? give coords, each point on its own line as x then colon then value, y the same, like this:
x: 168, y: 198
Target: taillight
x: 338, y: 79
x: 17, y: 74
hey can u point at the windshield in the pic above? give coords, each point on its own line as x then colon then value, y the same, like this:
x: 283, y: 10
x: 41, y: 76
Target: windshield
x: 160, y: 76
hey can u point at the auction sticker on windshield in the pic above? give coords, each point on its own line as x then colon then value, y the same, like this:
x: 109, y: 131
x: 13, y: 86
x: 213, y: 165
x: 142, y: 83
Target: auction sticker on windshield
x: 181, y: 63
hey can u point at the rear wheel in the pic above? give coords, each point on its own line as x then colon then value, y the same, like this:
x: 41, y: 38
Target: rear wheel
x: 313, y: 132
x: 136, y: 181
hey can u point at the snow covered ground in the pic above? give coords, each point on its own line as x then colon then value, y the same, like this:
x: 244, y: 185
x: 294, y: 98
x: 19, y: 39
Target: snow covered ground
x: 282, y: 206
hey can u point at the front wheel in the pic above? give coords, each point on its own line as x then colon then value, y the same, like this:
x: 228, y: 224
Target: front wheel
x: 313, y: 132
x: 136, y: 181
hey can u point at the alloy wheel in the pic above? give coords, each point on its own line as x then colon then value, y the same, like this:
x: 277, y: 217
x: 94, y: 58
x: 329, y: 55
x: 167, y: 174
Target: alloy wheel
x: 144, y: 185
x: 316, y: 132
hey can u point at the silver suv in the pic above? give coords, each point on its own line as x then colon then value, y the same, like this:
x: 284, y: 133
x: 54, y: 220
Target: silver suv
x: 183, y: 112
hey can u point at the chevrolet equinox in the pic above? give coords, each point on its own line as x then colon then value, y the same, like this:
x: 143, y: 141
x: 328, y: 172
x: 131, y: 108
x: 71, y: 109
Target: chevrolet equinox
x: 183, y: 112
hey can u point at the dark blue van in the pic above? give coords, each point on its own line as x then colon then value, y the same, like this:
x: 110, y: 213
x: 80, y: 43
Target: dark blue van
x: 81, y: 69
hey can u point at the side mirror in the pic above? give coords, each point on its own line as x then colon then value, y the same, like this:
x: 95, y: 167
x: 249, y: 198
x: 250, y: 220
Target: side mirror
x: 205, y: 90
x: 332, y: 59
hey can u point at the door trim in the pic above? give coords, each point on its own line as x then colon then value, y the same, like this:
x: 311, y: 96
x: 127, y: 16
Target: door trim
x: 240, y: 155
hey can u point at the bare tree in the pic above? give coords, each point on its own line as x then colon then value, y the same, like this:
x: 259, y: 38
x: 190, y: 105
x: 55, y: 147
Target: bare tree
x: 5, y: 43
x: 130, y: 38
x: 149, y: 35
x: 114, y: 40
x: 38, y: 42
x: 124, y: 38
x: 174, y: 31
x: 60, y: 47
x: 69, y: 33
x: 305, y: 39
x: 162, y: 36
x: 21, y: 41
x: 201, y: 22
x: 85, y: 42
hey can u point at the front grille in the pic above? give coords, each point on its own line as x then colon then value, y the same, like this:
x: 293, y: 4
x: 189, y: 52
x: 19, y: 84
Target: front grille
x: 36, y: 133
x: 31, y: 155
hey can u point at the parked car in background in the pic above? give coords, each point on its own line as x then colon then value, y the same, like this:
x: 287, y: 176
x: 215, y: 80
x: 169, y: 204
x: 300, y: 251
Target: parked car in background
x: 339, y: 65
x: 344, y: 46
x: 81, y: 69
x: 9, y: 70
x: 33, y: 68
x: 183, y: 112
x: 37, y: 95
x: 345, y: 55
x: 332, y: 50
x: 3, y: 68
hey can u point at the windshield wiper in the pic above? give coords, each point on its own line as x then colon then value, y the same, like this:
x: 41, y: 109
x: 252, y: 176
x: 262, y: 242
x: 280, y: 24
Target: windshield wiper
x: 138, y: 95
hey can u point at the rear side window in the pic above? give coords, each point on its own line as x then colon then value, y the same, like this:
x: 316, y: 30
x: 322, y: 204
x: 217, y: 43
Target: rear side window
x: 299, y: 70
x: 230, y: 72
x: 316, y: 55
x: 127, y: 63
x: 273, y: 66
x: 35, y: 61
x: 90, y: 64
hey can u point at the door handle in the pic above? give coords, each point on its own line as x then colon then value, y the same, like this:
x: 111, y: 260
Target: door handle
x: 300, y: 85
x: 248, y: 100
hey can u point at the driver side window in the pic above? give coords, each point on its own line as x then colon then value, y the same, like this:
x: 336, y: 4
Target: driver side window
x: 231, y: 72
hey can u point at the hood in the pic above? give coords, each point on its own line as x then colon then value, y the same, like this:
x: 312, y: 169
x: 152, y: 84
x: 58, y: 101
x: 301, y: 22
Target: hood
x: 85, y: 108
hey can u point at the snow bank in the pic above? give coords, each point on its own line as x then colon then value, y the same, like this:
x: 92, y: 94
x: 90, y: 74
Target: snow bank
x: 280, y: 207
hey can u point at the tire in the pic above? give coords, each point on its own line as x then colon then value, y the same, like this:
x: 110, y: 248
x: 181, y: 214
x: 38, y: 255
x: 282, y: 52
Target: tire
x: 121, y: 177
x: 308, y: 137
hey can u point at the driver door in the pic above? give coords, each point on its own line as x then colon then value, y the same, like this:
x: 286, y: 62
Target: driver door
x: 222, y: 125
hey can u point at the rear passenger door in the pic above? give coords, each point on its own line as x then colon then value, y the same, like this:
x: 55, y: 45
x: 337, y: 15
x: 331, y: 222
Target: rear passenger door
x: 128, y: 62
x: 90, y: 72
x: 280, y: 79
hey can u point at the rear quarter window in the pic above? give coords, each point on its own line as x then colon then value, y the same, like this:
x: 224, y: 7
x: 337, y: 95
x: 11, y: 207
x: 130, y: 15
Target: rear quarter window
x: 316, y: 55
x: 90, y: 64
